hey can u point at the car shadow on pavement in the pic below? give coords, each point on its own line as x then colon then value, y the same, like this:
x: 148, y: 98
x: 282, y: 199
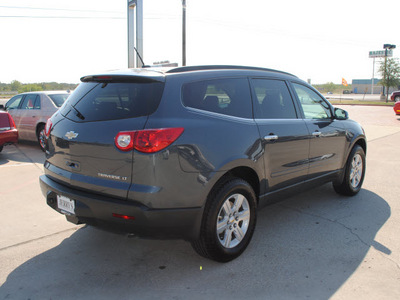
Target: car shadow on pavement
x: 23, y: 152
x: 305, y: 247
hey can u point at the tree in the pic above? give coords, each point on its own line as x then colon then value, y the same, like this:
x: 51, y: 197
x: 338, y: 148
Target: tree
x: 329, y: 87
x: 15, y: 85
x: 390, y: 71
x: 31, y: 87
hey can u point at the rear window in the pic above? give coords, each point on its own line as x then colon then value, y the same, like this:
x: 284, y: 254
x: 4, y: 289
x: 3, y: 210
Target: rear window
x: 58, y: 99
x: 228, y: 96
x: 94, y: 101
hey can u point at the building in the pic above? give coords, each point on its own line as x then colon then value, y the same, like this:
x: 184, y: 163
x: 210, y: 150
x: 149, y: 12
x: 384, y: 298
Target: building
x: 363, y: 86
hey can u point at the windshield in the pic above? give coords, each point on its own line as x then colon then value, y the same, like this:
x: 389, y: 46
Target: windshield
x: 58, y: 99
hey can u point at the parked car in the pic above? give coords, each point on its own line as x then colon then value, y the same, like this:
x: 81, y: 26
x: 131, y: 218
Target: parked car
x: 194, y: 151
x: 396, y: 108
x: 395, y: 96
x: 8, y: 131
x: 30, y: 112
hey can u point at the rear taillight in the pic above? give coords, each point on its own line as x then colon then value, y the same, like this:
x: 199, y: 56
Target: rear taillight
x: 12, y: 123
x: 47, y: 129
x: 147, y: 141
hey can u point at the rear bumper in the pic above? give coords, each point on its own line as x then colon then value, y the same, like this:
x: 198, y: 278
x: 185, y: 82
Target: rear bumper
x: 98, y: 211
x: 9, y: 137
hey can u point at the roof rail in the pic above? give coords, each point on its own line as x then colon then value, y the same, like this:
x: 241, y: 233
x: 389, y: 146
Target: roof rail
x: 221, y: 67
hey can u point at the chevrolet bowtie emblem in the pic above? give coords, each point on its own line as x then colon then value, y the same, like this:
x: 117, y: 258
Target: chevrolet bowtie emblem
x: 71, y: 135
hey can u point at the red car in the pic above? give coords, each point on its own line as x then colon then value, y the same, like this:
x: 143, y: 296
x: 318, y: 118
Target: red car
x: 396, y: 108
x: 395, y: 96
x: 8, y: 131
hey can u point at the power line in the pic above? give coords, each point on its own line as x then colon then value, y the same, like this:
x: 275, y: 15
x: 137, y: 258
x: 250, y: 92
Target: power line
x: 60, y: 9
x: 61, y: 17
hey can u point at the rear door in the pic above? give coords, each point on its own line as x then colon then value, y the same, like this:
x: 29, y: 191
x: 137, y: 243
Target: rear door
x: 12, y: 106
x: 81, y: 152
x: 285, y: 137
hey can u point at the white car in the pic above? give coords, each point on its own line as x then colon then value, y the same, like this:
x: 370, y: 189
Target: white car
x: 30, y: 112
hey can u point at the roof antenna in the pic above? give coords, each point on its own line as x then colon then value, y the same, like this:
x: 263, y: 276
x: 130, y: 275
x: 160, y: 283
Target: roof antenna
x: 143, y: 64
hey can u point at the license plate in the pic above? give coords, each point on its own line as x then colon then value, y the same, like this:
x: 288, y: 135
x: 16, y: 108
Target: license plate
x: 66, y: 205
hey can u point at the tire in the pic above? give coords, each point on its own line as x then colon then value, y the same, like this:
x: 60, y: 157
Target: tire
x: 41, y: 136
x: 354, y: 173
x: 228, y: 222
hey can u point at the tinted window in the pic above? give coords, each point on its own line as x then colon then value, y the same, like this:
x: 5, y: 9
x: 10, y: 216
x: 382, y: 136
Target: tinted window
x: 111, y: 101
x: 37, y: 103
x: 314, y: 106
x: 14, y: 102
x: 230, y: 96
x: 29, y: 101
x: 58, y: 99
x: 273, y: 100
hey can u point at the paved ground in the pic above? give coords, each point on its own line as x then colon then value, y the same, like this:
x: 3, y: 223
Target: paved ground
x: 316, y: 245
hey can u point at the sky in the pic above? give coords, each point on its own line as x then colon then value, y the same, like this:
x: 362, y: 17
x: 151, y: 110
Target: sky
x: 321, y: 41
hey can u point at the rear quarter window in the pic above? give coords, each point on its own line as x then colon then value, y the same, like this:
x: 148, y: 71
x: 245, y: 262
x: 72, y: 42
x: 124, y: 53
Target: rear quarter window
x: 228, y: 96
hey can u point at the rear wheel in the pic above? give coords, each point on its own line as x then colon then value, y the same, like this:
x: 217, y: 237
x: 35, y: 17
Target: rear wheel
x: 41, y: 136
x: 354, y: 173
x: 228, y: 222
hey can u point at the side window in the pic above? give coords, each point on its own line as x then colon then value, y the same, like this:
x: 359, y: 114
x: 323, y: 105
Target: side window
x: 14, y: 102
x: 314, y: 106
x: 273, y: 100
x: 29, y: 101
x: 229, y: 96
x: 36, y: 105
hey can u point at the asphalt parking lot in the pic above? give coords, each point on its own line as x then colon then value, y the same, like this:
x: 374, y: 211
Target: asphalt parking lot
x: 315, y: 245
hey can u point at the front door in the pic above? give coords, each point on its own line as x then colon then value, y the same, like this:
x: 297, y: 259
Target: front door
x: 28, y: 116
x: 328, y: 136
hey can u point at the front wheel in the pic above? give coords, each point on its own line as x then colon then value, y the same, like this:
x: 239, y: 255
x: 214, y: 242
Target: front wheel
x: 228, y: 222
x: 354, y: 173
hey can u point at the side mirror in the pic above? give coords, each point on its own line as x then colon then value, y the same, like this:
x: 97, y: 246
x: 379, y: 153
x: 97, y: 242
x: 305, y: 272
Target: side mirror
x: 341, y: 114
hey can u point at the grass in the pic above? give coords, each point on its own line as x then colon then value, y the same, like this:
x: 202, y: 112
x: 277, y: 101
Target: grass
x: 360, y: 102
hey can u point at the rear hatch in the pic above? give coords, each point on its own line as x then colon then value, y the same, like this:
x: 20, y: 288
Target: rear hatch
x: 81, y: 151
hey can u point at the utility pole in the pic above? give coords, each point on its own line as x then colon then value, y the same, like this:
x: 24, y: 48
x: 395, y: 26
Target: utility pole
x: 183, y: 32
x: 135, y: 33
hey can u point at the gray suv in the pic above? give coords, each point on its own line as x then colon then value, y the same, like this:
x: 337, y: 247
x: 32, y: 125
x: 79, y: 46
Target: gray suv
x: 192, y: 152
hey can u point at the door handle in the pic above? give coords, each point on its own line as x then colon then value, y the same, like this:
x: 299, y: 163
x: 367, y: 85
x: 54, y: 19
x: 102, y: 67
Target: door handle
x: 317, y: 133
x: 270, y: 137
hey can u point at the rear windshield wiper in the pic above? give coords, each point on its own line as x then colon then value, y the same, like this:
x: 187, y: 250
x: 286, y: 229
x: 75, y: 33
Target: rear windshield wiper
x: 78, y: 113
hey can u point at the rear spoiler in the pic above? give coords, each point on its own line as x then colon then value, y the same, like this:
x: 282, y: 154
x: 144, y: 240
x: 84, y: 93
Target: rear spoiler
x: 109, y: 78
